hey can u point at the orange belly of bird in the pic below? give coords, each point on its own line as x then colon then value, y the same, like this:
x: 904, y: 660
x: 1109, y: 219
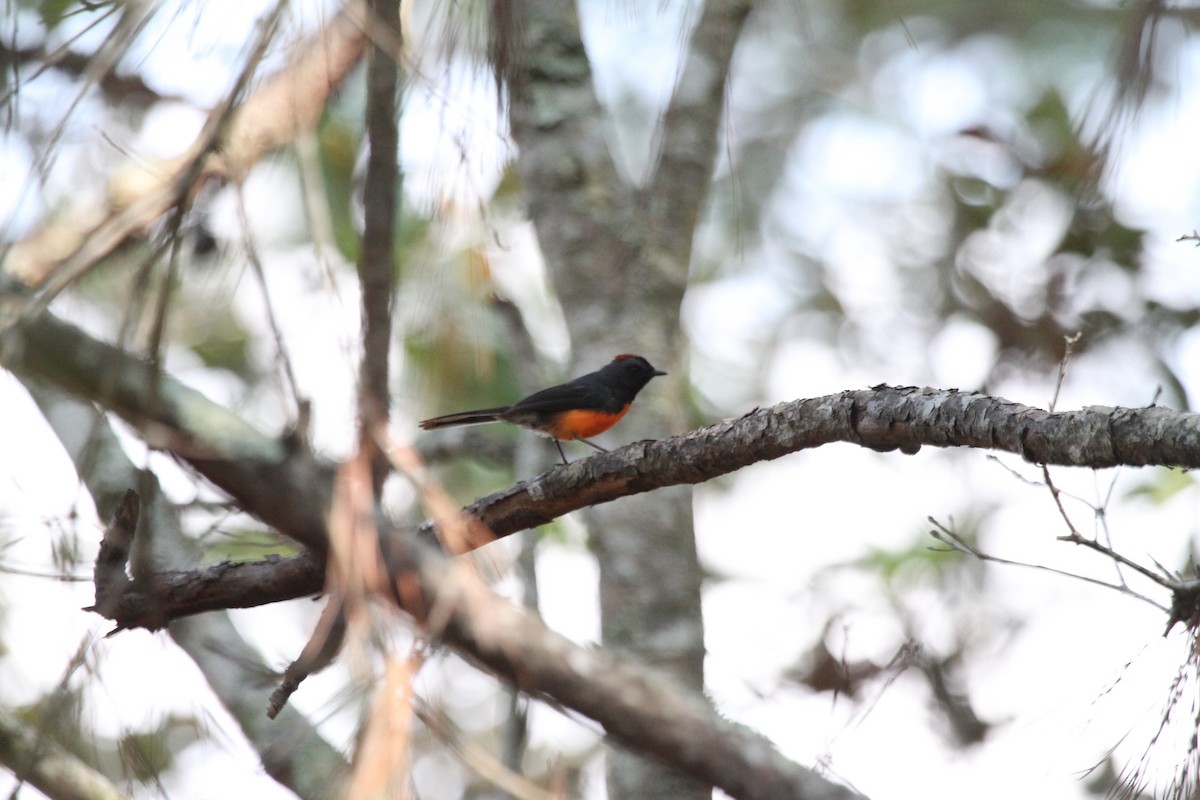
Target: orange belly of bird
x: 580, y: 424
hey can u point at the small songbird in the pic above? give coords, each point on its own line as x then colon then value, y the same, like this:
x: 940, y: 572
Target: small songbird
x: 578, y: 409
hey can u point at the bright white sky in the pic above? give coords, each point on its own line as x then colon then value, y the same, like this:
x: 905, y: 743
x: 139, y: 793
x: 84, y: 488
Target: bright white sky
x: 1060, y: 688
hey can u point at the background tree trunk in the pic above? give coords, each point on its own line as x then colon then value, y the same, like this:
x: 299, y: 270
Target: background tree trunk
x: 619, y: 261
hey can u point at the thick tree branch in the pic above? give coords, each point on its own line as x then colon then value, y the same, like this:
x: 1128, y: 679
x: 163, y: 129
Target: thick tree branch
x: 638, y: 706
x: 276, y: 479
x: 882, y: 418
x: 287, y: 486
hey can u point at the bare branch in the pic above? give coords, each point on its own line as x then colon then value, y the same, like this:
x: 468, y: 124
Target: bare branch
x: 51, y: 769
x: 289, y: 101
x: 947, y: 536
x: 1069, y: 343
x: 111, y: 580
x: 286, y: 486
x: 376, y: 260
x: 637, y: 706
x: 1076, y: 538
x: 291, y: 749
x: 692, y: 125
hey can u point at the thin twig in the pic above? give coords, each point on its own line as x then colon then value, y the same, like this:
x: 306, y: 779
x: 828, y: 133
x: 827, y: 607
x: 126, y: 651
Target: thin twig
x: 1070, y: 342
x: 282, y: 358
x: 955, y: 542
x: 478, y: 759
x: 114, y: 230
x: 1075, y: 537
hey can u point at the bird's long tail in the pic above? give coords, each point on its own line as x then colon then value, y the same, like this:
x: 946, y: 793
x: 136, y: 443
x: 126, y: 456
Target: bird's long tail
x: 464, y: 418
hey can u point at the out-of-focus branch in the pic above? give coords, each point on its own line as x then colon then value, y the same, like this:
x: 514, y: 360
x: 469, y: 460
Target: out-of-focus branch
x: 293, y: 100
x: 638, y: 706
x: 691, y: 129
x: 291, y: 749
x: 49, y: 768
x: 275, y: 479
x: 376, y: 267
x: 233, y: 141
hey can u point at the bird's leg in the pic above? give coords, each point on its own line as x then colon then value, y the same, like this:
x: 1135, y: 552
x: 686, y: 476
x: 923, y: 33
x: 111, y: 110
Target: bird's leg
x: 593, y: 444
x: 558, y: 444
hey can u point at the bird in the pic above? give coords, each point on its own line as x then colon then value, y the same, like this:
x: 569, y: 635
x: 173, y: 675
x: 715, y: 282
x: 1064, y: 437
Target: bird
x: 576, y: 410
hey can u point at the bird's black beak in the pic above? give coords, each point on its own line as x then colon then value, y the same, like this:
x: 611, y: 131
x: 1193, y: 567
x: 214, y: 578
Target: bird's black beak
x: 658, y: 372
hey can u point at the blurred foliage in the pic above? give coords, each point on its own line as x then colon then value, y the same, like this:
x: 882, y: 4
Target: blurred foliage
x: 922, y: 562
x: 52, y: 12
x: 247, y: 544
x: 146, y: 755
x: 338, y: 144
x: 1159, y: 485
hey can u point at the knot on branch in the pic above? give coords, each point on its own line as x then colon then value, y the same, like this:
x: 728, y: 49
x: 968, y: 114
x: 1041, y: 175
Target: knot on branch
x: 884, y: 426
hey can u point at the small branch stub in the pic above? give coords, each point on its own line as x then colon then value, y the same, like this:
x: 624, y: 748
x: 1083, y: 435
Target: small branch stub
x: 112, y: 581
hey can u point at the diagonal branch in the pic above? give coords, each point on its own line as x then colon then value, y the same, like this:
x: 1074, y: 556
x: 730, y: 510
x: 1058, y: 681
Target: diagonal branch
x: 222, y: 447
x: 48, y: 767
x: 276, y: 479
x: 636, y: 705
x: 231, y: 143
x: 291, y: 749
x: 286, y: 486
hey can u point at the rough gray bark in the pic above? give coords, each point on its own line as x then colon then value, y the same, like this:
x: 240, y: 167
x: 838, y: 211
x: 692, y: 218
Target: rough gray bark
x: 619, y: 261
x: 258, y: 470
x: 221, y: 446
